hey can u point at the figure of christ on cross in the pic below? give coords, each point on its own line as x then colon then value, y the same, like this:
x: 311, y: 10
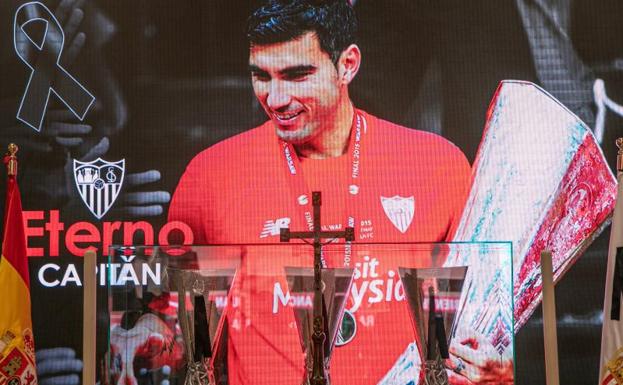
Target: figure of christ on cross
x: 319, y: 374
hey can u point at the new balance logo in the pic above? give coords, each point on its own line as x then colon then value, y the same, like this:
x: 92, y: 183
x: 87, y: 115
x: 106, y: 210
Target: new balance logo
x: 274, y: 227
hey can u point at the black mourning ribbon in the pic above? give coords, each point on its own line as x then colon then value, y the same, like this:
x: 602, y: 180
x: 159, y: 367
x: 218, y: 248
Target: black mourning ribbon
x: 617, y: 286
x: 203, y: 347
x: 47, y: 75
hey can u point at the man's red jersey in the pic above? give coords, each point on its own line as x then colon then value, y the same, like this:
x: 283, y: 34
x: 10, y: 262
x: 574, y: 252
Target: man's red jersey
x: 412, y: 189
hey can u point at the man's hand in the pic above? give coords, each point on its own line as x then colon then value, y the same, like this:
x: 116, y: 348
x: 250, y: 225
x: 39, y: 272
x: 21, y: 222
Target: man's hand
x: 138, y: 204
x: 58, y: 366
x: 473, y: 365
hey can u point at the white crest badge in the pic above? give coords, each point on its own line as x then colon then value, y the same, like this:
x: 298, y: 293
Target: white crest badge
x: 99, y: 183
x: 399, y: 210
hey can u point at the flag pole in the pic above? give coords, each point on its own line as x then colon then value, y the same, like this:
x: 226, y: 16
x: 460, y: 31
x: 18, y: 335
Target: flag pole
x: 550, y: 338
x: 611, y: 365
x: 12, y: 164
x: 16, y: 336
x: 89, y: 322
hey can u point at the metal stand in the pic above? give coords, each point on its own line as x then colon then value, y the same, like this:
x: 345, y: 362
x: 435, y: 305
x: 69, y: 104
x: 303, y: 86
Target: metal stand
x: 319, y: 374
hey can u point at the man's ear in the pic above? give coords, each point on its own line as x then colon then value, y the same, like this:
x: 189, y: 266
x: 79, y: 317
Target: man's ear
x: 348, y: 64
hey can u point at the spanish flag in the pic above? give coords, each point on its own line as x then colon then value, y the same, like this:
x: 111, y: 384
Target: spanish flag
x: 17, y: 347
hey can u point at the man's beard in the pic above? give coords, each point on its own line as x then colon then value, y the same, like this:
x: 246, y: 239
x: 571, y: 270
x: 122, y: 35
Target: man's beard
x: 298, y: 136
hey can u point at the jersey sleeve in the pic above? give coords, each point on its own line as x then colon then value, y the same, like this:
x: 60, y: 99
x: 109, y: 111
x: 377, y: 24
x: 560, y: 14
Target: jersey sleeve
x: 190, y: 202
x: 461, y: 183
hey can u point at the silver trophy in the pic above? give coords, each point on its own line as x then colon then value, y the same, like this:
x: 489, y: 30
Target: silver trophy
x: 433, y: 295
x: 203, y: 324
x: 335, y: 289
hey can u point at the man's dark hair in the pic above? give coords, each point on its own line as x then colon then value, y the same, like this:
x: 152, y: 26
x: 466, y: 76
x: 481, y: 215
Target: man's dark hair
x: 278, y: 21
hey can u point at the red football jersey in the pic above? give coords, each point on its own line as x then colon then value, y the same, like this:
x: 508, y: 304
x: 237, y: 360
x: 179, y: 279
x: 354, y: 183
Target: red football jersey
x: 410, y: 187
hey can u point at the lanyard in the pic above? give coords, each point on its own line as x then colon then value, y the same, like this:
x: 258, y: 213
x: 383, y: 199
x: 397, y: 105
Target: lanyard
x: 302, y: 193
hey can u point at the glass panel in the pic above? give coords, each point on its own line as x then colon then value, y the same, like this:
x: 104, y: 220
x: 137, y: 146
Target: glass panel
x: 257, y: 309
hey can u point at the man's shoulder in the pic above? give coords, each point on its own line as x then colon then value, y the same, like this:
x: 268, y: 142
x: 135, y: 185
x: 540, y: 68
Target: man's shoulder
x: 413, y: 142
x: 238, y: 148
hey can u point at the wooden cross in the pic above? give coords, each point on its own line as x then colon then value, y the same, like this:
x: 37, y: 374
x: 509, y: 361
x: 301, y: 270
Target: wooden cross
x: 319, y: 374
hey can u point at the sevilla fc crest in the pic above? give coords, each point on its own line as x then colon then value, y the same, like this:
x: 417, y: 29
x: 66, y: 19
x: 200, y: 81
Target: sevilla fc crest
x: 99, y: 183
x: 399, y: 210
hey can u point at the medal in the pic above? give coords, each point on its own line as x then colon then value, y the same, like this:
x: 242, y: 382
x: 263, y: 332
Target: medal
x: 302, y: 193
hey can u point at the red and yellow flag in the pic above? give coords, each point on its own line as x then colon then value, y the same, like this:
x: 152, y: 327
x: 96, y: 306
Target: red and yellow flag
x: 17, y: 347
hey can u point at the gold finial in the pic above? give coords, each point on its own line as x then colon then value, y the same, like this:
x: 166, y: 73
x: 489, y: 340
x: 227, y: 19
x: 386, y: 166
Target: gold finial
x: 13, y: 148
x: 12, y: 163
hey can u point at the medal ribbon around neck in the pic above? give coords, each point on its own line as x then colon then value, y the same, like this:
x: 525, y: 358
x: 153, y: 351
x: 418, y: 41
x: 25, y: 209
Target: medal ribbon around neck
x: 302, y: 193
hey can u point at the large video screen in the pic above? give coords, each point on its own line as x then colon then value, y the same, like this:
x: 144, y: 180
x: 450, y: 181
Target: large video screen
x: 194, y: 122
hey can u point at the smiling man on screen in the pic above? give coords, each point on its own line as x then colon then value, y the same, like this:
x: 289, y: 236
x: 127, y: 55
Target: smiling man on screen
x: 392, y: 183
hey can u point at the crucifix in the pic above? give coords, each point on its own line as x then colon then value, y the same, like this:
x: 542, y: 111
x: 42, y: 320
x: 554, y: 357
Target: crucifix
x: 319, y: 375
